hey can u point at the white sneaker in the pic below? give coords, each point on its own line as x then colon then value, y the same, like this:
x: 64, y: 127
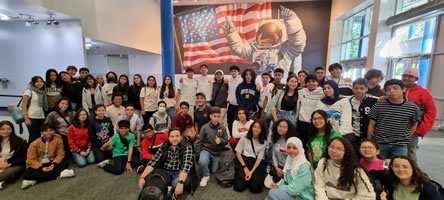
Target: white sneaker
x: 67, y: 173
x: 2, y: 185
x: 204, y: 181
x: 28, y: 183
x: 103, y: 163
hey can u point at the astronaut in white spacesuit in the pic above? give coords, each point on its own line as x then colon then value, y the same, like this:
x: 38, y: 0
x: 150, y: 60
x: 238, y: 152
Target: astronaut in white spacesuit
x: 279, y: 43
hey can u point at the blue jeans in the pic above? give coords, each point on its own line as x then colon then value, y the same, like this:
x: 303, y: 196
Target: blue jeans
x: 82, y: 161
x: 208, y: 162
x: 170, y: 112
x: 277, y: 194
x: 174, y: 179
x: 118, y: 167
x: 288, y: 115
x: 391, y: 150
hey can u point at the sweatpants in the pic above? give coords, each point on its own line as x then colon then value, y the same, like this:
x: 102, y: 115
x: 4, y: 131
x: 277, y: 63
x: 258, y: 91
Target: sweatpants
x: 12, y: 173
x: 39, y: 175
x: 256, y: 182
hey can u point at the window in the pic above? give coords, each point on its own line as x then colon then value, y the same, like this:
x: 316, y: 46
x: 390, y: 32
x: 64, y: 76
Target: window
x: 404, y: 5
x: 411, y: 47
x: 356, y: 35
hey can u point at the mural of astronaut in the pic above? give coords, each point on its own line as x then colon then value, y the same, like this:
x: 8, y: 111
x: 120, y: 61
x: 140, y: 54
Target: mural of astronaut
x: 279, y: 43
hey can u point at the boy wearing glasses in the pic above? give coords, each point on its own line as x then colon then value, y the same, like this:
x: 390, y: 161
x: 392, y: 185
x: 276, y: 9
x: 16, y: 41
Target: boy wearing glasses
x: 150, y: 144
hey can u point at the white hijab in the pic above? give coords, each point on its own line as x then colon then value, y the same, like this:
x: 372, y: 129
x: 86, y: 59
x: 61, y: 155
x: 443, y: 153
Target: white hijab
x: 293, y: 164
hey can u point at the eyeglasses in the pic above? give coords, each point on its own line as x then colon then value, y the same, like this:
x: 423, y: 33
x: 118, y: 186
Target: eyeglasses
x: 367, y: 147
x: 339, y: 149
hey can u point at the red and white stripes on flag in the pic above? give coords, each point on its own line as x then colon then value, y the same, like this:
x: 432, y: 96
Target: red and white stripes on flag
x: 203, y: 46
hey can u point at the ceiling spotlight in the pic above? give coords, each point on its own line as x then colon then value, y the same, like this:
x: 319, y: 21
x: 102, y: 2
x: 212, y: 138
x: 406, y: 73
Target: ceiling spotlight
x: 52, y: 20
x: 88, y: 46
x: 30, y: 21
x: 3, y: 17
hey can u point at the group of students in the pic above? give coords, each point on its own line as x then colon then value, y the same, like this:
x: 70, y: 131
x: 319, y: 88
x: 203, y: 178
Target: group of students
x: 317, y: 123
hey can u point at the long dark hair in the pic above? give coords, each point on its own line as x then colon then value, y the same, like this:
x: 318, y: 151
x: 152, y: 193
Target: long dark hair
x: 123, y: 88
x: 291, y: 132
x: 350, y: 165
x: 373, y: 142
x: 57, y: 82
x: 171, y: 93
x: 142, y: 84
x: 76, y: 122
x: 247, y: 115
x: 14, y: 140
x: 262, y: 135
x: 419, y: 178
x: 314, y: 131
x: 295, y: 94
x: 57, y: 109
x: 91, y: 77
x: 34, y: 80
x: 113, y: 73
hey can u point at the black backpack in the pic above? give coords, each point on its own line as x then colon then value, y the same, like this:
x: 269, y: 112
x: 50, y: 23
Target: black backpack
x: 225, y: 177
x: 156, y: 186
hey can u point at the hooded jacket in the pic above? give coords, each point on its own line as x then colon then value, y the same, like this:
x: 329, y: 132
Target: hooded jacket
x: 424, y: 100
x: 247, y: 96
x: 207, y: 138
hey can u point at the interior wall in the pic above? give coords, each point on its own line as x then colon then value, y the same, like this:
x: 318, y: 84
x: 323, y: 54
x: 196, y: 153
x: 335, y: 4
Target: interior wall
x: 30, y: 51
x: 130, y: 23
x: 145, y: 65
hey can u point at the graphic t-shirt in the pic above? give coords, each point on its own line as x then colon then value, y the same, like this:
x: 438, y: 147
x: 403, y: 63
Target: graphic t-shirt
x: 318, y: 145
x: 102, y: 131
x: 119, y: 149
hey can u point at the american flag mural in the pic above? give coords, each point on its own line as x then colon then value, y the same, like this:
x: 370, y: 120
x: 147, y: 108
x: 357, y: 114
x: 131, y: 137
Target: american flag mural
x: 202, y: 33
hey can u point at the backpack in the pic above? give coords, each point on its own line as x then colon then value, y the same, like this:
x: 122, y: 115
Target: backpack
x: 225, y: 176
x: 156, y: 186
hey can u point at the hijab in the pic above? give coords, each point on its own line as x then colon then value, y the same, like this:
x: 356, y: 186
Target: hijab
x: 328, y: 100
x: 293, y: 164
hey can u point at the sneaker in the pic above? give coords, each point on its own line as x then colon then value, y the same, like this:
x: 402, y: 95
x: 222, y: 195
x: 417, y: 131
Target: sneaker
x: 28, y: 183
x: 67, y: 173
x: 140, y: 169
x: 2, y: 185
x: 103, y: 163
x: 204, y: 181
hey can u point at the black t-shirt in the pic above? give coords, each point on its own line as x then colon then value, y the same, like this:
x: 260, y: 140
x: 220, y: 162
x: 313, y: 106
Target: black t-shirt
x: 288, y: 103
x: 202, y: 117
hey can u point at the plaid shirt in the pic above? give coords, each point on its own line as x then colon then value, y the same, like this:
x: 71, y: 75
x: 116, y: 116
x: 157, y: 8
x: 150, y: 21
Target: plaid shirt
x: 173, y: 161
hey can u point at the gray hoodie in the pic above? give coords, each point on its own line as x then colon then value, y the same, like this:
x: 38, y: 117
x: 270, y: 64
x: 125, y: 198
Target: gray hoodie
x: 161, y: 124
x: 207, y: 138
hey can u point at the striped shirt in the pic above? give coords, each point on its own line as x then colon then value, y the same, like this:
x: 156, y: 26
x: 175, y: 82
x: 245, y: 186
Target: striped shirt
x: 392, y: 121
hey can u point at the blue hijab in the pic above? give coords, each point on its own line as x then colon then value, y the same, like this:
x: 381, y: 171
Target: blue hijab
x: 330, y: 101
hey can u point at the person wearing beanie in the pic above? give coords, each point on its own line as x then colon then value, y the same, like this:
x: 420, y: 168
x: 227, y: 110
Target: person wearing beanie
x: 392, y: 122
x: 122, y: 145
x: 338, y: 108
x: 344, y: 84
x: 220, y: 93
x: 424, y: 100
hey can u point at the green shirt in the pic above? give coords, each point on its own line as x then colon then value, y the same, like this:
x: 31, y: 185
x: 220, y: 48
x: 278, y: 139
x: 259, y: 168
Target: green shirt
x: 405, y: 193
x: 119, y: 149
x: 318, y: 146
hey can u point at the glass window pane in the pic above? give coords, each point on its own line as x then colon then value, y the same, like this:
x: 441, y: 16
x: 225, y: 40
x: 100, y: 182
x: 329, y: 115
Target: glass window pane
x: 354, y: 49
x: 364, y: 48
x: 414, y: 38
x: 404, y: 5
x: 343, y: 51
x: 346, y: 31
x: 368, y: 20
x: 357, y: 25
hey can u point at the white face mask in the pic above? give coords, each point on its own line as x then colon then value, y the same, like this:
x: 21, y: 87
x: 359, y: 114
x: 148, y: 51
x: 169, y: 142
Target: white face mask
x: 162, y: 109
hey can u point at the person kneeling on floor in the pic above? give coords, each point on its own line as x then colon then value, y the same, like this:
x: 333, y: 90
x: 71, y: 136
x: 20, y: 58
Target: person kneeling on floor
x: 175, y: 157
x: 122, y: 145
x: 45, y: 158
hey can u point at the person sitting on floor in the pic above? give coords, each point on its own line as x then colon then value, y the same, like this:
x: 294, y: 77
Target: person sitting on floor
x: 12, y: 154
x: 176, y: 158
x: 78, y: 139
x: 150, y: 144
x: 122, y: 145
x: 45, y: 158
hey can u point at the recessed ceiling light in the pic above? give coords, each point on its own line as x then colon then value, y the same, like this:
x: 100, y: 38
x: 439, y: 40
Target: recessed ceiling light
x: 3, y: 17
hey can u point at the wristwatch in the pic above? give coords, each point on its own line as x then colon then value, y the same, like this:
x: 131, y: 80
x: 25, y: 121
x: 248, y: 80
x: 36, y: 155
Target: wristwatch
x: 181, y: 182
x: 244, y: 166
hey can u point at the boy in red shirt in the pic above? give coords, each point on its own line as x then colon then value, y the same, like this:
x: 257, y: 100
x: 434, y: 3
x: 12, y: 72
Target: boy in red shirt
x: 150, y: 144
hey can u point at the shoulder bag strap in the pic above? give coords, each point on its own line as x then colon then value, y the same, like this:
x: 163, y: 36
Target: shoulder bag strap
x: 252, y: 146
x: 63, y: 118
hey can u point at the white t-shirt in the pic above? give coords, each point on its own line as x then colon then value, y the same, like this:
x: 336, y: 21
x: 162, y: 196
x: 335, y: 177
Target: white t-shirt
x: 171, y: 102
x: 240, y: 129
x: 244, y: 147
x: 205, y: 84
x: 114, y: 113
x: 34, y: 110
x: 150, y: 98
x: 232, y: 85
x: 265, y: 92
x: 188, y: 89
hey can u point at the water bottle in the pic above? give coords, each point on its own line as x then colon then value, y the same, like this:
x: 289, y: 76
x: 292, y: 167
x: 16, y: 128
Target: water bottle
x: 227, y: 164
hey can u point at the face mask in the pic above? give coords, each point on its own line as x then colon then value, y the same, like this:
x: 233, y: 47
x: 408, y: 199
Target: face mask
x: 162, y: 109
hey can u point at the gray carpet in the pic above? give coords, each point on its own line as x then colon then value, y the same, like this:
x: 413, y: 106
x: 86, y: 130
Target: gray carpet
x: 94, y: 183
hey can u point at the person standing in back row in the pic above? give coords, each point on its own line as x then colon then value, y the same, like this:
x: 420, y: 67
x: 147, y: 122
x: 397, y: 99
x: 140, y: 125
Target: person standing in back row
x: 187, y: 91
x: 234, y: 81
x: 205, y: 83
x: 247, y: 95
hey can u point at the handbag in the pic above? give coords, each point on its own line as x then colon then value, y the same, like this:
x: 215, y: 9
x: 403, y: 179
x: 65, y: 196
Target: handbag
x: 17, y: 114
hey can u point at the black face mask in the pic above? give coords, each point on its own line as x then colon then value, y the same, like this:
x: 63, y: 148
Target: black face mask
x: 112, y: 80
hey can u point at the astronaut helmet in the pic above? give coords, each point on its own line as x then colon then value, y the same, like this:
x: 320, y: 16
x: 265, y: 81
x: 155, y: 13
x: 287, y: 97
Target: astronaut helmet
x: 270, y: 34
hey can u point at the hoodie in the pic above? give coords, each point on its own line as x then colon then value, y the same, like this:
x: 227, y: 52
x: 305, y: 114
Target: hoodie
x: 207, y: 138
x: 307, y: 101
x: 424, y: 100
x: 247, y: 96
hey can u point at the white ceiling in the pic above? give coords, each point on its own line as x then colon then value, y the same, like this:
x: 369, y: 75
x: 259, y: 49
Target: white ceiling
x: 104, y: 48
x: 206, y: 2
x: 13, y: 8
